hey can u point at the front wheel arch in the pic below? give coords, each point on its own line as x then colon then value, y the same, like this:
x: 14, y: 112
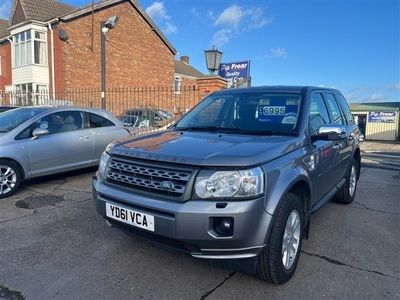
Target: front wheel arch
x: 21, y: 169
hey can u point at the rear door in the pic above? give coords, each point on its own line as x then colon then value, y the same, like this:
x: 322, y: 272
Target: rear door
x: 340, y: 148
x: 351, y: 131
x: 104, y: 132
x: 68, y: 145
x: 324, y: 155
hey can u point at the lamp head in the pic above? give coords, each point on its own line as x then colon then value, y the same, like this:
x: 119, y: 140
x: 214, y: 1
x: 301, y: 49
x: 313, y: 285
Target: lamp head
x: 111, y: 23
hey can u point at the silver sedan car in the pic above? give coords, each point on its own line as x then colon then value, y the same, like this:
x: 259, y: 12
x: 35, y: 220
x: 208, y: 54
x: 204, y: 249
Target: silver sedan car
x: 43, y: 140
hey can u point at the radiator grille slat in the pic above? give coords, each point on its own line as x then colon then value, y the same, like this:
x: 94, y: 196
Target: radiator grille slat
x: 154, y: 178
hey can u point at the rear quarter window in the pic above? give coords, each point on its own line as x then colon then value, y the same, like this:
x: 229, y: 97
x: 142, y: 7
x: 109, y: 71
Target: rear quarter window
x: 96, y: 121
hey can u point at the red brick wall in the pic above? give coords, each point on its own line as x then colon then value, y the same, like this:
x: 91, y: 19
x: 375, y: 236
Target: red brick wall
x: 136, y: 56
x: 58, y: 62
x: 211, y: 84
x: 5, y: 55
x: 188, y: 82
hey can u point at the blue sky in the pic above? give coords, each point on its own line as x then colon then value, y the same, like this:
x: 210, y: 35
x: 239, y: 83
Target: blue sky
x: 351, y: 45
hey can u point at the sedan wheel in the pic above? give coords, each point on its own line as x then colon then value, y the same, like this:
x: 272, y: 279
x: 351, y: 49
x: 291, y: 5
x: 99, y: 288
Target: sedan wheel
x: 10, y: 177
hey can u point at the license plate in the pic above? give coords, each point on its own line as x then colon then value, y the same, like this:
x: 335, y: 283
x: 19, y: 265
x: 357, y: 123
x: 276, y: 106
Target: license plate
x: 131, y: 217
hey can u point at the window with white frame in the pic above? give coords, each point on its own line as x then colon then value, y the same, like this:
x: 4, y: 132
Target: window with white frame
x: 177, y: 84
x: 25, y: 53
x: 40, y: 48
x: 22, y: 48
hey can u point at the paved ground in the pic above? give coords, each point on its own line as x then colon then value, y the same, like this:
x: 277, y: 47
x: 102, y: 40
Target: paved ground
x: 381, y: 155
x: 377, y: 146
x: 54, y: 246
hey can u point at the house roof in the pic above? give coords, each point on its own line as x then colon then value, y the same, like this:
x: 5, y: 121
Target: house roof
x: 186, y: 69
x: 46, y: 10
x: 3, y: 28
x: 375, y: 106
x: 43, y: 10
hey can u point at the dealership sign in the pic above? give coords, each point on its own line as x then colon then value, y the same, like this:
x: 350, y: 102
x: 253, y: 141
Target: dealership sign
x: 382, y: 117
x: 237, y: 73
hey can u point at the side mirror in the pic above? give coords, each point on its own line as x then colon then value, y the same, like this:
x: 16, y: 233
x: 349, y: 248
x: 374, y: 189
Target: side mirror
x: 332, y: 132
x: 38, y: 132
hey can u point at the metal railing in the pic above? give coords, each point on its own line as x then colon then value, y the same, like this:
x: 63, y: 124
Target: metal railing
x: 118, y: 100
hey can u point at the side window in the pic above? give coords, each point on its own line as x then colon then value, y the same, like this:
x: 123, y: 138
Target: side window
x: 345, y: 108
x: 334, y: 109
x: 61, y: 121
x: 318, y: 113
x: 97, y: 121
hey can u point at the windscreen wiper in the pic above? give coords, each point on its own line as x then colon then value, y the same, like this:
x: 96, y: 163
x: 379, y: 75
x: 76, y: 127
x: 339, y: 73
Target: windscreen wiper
x: 208, y: 128
x: 265, y: 132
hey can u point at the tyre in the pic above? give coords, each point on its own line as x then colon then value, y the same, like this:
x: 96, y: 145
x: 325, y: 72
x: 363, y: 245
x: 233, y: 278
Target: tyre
x: 278, y: 260
x: 347, y: 192
x: 10, y: 178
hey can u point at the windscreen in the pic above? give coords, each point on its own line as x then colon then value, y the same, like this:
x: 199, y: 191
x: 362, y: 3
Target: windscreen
x: 15, y: 117
x: 245, y: 112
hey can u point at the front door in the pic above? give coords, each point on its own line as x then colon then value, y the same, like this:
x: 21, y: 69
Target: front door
x: 323, y: 152
x: 68, y: 146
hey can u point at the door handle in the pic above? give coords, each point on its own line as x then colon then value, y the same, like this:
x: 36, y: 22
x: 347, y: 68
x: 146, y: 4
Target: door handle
x: 84, y: 138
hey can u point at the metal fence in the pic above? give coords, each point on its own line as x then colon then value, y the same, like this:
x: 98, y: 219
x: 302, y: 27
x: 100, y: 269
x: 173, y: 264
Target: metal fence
x: 117, y: 101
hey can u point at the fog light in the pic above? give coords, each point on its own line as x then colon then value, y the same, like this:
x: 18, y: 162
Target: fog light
x: 223, y: 226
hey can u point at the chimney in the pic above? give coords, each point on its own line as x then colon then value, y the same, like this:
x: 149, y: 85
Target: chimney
x: 185, y: 59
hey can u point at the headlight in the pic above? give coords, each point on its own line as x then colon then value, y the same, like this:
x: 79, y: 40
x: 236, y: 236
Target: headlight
x: 109, y: 147
x: 228, y: 184
x: 104, y: 160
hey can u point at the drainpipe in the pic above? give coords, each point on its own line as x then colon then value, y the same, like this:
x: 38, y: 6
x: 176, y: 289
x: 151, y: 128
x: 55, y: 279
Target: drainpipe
x: 11, y: 42
x: 12, y: 55
x: 53, y: 84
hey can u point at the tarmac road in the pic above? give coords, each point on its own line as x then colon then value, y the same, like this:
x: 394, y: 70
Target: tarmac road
x: 389, y: 161
x: 55, y: 246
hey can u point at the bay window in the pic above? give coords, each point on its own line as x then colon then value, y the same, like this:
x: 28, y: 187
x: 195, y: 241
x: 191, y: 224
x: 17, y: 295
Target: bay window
x: 25, y: 53
x: 22, y: 48
x: 40, y: 48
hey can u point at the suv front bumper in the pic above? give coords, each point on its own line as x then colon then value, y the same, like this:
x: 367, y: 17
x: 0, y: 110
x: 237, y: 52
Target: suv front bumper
x: 187, y: 225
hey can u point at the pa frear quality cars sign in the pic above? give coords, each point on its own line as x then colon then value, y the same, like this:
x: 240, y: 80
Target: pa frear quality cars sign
x: 237, y: 73
x: 382, y: 117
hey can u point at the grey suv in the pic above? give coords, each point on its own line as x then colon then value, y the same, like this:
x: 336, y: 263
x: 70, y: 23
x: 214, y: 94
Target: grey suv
x: 237, y: 177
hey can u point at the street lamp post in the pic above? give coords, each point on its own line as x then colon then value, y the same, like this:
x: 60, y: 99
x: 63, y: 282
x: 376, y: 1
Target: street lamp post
x: 105, y: 26
x: 213, y: 59
x: 103, y: 65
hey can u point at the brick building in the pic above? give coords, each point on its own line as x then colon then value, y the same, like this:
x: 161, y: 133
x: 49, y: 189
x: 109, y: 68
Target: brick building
x: 188, y: 76
x: 50, y: 47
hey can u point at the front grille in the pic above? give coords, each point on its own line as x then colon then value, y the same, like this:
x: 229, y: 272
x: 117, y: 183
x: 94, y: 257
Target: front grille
x: 154, y: 178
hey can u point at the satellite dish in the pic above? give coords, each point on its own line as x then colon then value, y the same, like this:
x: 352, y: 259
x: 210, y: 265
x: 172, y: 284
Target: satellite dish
x: 63, y: 35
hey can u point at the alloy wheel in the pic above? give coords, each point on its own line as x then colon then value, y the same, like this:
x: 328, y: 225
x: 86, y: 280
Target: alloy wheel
x: 353, y: 181
x: 291, y: 239
x: 8, y: 179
